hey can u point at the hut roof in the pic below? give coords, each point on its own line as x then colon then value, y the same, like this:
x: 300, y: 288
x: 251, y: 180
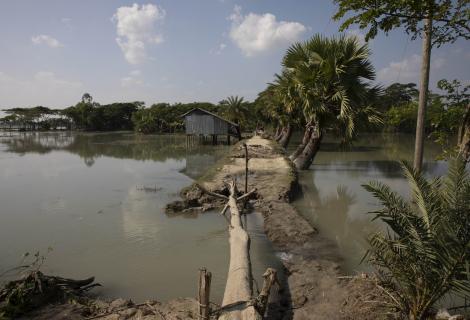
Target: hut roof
x: 209, y: 113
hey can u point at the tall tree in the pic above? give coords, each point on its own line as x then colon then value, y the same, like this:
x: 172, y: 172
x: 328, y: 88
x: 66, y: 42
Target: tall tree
x: 435, y: 21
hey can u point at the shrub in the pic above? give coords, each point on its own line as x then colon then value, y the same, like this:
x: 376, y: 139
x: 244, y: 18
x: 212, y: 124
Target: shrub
x: 425, y: 252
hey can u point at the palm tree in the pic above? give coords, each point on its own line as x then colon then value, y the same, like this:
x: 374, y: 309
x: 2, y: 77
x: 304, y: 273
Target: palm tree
x: 235, y: 109
x: 282, y: 106
x: 425, y: 254
x: 271, y: 109
x: 330, y: 77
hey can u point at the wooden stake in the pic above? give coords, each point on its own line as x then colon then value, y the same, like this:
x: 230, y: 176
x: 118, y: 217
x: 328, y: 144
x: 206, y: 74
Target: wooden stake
x: 246, y: 167
x: 270, y: 278
x: 204, y: 293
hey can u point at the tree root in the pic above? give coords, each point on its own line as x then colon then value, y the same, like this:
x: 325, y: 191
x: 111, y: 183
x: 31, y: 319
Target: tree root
x: 36, y: 289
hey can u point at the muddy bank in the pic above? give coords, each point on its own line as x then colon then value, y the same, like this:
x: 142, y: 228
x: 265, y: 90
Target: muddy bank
x: 35, y: 295
x: 313, y: 287
x: 119, y: 309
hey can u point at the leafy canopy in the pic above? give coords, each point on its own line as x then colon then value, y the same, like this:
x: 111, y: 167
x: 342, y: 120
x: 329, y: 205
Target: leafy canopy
x: 330, y: 79
x: 450, y: 17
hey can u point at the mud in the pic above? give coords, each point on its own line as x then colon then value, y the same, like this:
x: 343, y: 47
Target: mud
x: 119, y: 309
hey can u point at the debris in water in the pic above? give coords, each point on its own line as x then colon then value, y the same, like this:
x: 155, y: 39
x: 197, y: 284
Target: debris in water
x: 284, y: 256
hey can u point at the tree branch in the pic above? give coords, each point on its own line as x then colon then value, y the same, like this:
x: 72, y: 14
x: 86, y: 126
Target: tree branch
x: 216, y: 195
x: 246, y: 195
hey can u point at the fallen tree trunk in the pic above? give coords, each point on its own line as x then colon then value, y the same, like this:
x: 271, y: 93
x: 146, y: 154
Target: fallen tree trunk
x: 238, y: 302
x: 238, y: 293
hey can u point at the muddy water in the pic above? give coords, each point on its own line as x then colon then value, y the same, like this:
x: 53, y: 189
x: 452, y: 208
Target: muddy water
x: 333, y: 199
x: 97, y: 200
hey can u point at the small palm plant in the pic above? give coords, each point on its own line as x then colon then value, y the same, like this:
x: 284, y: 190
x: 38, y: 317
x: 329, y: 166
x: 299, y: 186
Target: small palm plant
x: 235, y: 109
x: 425, y: 254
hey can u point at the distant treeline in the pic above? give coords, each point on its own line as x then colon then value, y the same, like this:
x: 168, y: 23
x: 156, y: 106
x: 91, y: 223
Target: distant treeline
x: 88, y: 115
x: 397, y: 105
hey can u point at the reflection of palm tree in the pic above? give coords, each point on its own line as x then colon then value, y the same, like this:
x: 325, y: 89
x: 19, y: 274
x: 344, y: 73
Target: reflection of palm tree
x: 337, y: 206
x: 331, y: 215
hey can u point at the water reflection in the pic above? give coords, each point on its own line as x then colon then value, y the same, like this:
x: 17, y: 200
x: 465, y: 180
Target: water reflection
x: 331, y: 213
x: 334, y: 200
x: 91, y: 146
x: 108, y: 219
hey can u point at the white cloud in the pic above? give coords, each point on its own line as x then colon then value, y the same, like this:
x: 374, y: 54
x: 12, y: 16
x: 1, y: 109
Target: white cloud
x: 135, y: 27
x: 133, y: 79
x: 254, y: 33
x: 407, y: 70
x: 219, y: 49
x: 47, y: 40
x: 42, y: 88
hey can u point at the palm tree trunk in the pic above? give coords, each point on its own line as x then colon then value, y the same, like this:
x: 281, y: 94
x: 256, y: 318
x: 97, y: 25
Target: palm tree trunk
x: 423, y: 96
x: 305, y: 159
x: 285, y: 136
x: 464, y: 136
x: 305, y: 139
x: 277, y: 135
x: 239, y: 132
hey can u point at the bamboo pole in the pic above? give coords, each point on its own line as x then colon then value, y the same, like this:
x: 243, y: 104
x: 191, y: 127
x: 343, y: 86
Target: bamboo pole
x: 246, y: 167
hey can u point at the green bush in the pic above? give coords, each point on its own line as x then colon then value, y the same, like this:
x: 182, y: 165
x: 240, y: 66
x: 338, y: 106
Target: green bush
x: 425, y: 252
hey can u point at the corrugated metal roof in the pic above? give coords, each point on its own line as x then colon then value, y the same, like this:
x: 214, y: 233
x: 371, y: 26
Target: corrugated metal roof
x: 210, y: 113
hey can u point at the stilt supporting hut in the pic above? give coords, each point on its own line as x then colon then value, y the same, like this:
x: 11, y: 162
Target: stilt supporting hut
x: 202, y: 125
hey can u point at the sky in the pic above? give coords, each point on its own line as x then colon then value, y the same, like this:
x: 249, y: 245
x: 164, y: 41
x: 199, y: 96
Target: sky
x: 52, y: 51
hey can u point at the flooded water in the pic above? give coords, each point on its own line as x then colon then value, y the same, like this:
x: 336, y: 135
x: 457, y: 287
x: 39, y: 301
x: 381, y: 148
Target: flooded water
x: 333, y: 199
x: 98, y: 201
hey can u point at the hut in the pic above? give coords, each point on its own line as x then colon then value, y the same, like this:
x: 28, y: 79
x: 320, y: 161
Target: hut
x: 202, y: 123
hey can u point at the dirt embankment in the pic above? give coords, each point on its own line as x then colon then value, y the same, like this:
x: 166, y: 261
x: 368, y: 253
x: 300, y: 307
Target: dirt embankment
x: 314, y: 288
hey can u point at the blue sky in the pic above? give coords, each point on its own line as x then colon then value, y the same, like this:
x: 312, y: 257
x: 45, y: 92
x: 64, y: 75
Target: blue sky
x: 173, y: 50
